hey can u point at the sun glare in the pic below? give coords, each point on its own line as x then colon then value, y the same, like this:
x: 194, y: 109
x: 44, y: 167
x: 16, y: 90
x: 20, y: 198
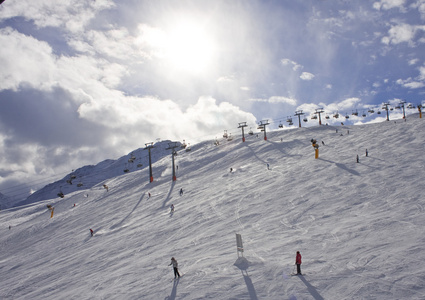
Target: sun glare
x: 189, y: 48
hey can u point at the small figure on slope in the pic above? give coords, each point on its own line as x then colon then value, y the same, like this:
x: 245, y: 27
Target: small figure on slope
x: 175, y: 267
x: 171, y: 208
x: 91, y: 232
x: 106, y: 187
x: 181, y: 191
x: 357, y: 158
x: 298, y: 262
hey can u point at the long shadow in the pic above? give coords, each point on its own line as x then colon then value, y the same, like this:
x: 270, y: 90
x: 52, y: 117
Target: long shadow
x: 342, y: 166
x: 312, y: 290
x: 173, y: 291
x: 242, y: 263
x: 169, y: 194
x: 129, y: 214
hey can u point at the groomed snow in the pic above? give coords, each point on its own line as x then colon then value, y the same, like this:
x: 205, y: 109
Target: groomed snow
x: 359, y: 226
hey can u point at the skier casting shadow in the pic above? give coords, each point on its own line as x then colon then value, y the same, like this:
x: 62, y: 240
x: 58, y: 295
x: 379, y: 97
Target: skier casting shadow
x: 173, y: 291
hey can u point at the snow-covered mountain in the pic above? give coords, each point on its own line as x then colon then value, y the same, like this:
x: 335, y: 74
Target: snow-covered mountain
x: 86, y: 177
x: 359, y: 226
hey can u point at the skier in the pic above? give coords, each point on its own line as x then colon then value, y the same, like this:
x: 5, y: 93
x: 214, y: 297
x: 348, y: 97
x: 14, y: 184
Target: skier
x: 323, y: 143
x: 106, y: 187
x: 357, y: 158
x: 91, y: 232
x: 149, y: 194
x: 367, y: 153
x: 175, y: 267
x: 171, y: 208
x: 231, y: 170
x: 181, y: 191
x: 298, y: 262
x: 268, y: 167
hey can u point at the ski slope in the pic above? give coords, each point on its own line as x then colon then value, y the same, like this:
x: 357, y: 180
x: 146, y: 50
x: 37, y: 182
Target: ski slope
x: 359, y: 226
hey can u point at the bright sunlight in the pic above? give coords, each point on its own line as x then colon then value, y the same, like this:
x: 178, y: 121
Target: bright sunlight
x: 189, y: 48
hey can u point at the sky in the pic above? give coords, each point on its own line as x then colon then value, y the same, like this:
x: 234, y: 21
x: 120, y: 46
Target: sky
x: 84, y: 81
x: 358, y: 226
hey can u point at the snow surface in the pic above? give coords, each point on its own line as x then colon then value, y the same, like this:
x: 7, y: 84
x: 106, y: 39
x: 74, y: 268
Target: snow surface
x: 359, y: 226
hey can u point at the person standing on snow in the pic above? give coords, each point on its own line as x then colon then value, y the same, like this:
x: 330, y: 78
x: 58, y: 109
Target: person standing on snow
x: 181, y: 191
x: 298, y: 262
x: 175, y: 267
x: 91, y: 232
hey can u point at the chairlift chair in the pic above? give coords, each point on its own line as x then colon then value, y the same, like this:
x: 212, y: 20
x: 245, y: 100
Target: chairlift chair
x: 305, y: 120
x: 378, y: 112
x: 336, y: 115
x: 327, y: 117
x: 347, y: 116
x: 250, y: 132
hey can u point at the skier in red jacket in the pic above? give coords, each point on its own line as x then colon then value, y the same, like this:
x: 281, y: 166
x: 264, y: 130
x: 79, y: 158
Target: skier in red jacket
x: 298, y: 262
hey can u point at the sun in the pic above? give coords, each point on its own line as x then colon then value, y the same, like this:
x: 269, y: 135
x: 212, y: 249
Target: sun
x: 189, y: 48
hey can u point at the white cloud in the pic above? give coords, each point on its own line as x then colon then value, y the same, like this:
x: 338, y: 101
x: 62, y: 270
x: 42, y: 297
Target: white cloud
x: 388, y: 4
x: 410, y: 83
x: 295, y: 65
x: 402, y: 33
x: 306, y: 76
x: 276, y: 99
x: 73, y: 15
x: 23, y: 59
x: 413, y: 61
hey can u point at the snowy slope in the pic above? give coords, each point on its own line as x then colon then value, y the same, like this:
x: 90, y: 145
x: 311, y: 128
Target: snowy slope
x: 359, y: 226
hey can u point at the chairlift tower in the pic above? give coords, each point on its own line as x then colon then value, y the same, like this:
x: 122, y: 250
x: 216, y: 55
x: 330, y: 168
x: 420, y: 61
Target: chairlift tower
x: 149, y: 146
x: 262, y: 127
x: 172, y: 146
x: 385, y: 106
x: 242, y: 125
x: 402, y: 102
x: 318, y: 112
x: 299, y: 113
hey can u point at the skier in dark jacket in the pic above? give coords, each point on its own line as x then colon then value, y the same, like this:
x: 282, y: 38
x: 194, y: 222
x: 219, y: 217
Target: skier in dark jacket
x: 298, y: 262
x: 175, y: 267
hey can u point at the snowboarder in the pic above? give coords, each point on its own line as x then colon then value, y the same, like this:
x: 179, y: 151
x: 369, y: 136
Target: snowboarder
x: 172, y: 208
x: 91, y: 232
x: 298, y: 262
x: 357, y: 158
x: 181, y: 191
x: 175, y: 267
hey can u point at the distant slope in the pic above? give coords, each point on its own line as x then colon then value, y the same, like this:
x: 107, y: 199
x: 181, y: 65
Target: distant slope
x: 88, y: 176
